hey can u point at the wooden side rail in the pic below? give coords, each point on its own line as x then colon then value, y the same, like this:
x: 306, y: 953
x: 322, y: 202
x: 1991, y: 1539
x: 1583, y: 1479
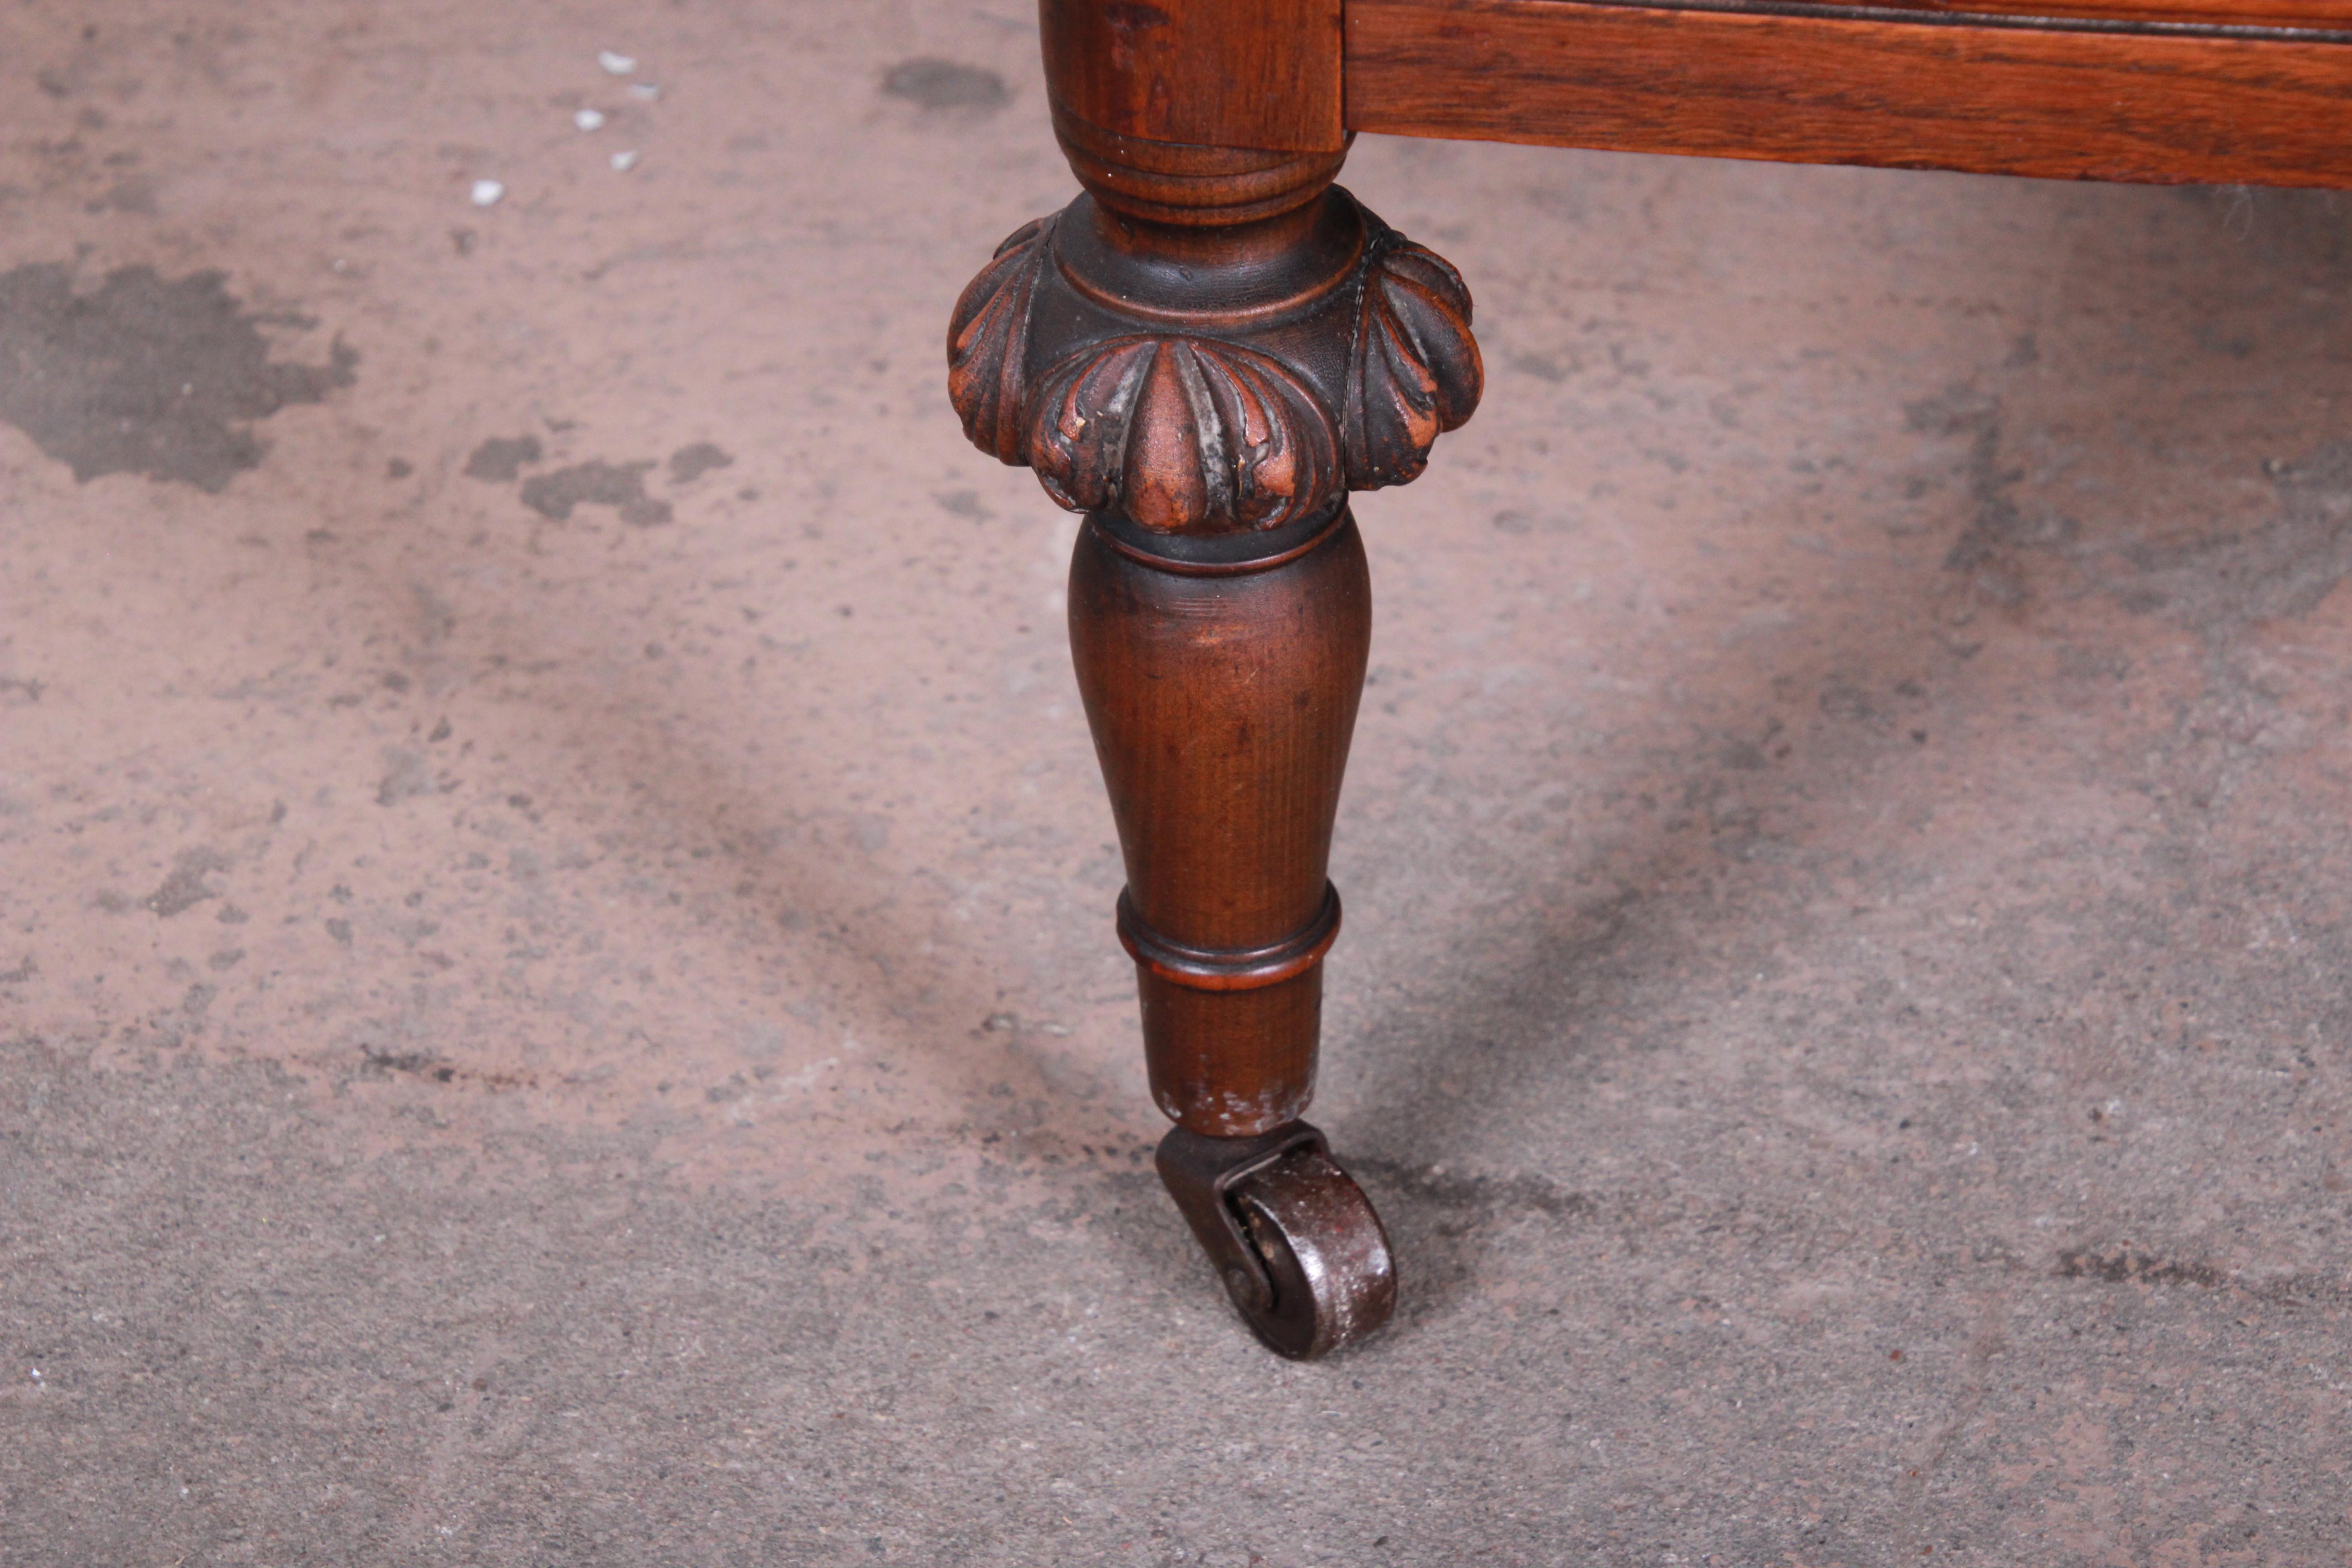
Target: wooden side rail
x: 2151, y: 98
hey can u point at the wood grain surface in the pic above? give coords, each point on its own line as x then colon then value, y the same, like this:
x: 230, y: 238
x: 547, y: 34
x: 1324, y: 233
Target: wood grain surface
x: 1221, y: 73
x: 2064, y: 103
x: 2320, y: 15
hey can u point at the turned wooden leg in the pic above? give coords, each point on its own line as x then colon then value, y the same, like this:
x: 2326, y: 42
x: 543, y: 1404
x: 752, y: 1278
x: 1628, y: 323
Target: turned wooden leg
x: 1204, y: 353
x: 1222, y: 703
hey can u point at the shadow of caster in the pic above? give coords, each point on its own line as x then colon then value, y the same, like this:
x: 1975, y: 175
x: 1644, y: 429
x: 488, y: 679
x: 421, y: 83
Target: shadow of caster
x: 1204, y: 353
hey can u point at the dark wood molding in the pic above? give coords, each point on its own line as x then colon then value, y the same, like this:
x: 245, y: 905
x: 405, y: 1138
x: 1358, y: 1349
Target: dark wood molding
x: 2072, y: 99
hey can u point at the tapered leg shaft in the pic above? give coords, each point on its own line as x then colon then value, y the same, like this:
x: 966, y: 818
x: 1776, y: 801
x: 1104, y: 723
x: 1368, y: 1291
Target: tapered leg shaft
x: 1222, y: 706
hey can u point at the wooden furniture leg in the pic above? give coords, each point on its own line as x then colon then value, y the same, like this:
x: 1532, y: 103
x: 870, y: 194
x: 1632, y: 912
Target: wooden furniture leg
x: 1205, y: 352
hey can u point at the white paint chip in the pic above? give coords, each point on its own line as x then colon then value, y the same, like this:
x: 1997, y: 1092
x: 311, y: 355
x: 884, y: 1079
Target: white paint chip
x: 624, y: 162
x: 487, y: 192
x: 645, y: 89
x: 587, y: 119
x: 616, y: 64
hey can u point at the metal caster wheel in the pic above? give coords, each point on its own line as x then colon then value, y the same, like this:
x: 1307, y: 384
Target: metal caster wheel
x: 1303, y: 1254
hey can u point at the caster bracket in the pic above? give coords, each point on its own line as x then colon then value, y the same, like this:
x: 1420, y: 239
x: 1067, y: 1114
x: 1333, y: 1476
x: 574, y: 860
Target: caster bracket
x: 1200, y: 1173
x: 1301, y: 1251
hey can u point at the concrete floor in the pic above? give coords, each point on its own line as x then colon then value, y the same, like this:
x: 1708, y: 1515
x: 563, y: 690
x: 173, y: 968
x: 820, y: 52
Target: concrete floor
x: 557, y: 997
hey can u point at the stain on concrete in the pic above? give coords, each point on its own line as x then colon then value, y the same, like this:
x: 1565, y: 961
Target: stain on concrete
x: 384, y: 1061
x: 146, y: 375
x: 1552, y: 368
x: 2280, y: 569
x: 502, y: 458
x: 690, y: 463
x: 1479, y: 1197
x: 1520, y: 520
x: 381, y: 1063
x: 1986, y: 550
x: 134, y: 196
x: 2123, y: 1264
x: 963, y: 504
x: 185, y: 887
x: 621, y: 486
x: 407, y: 773
x: 936, y: 83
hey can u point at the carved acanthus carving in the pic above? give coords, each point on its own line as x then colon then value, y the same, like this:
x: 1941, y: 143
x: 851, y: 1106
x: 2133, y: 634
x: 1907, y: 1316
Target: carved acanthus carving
x: 1190, y: 416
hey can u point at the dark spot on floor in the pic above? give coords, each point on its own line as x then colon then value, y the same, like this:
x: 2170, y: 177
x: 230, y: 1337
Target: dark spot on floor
x: 398, y: 469
x: 407, y: 773
x: 1543, y: 367
x: 134, y: 196
x: 185, y: 887
x: 688, y: 463
x: 145, y: 375
x: 1990, y: 550
x: 383, y: 1063
x: 621, y: 486
x: 943, y: 84
x: 2123, y: 1264
x: 963, y: 504
x: 501, y: 459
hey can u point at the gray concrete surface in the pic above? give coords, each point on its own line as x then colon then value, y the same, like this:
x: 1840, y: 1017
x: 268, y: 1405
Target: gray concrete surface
x: 556, y: 987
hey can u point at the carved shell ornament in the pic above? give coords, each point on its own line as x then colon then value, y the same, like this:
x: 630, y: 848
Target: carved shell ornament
x: 1414, y: 370
x: 987, y: 340
x: 1185, y: 436
x: 1191, y: 434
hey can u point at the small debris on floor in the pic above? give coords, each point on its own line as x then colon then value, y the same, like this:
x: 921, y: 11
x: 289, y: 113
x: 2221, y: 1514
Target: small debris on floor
x: 625, y: 162
x: 588, y: 119
x: 645, y: 90
x: 487, y: 192
x: 616, y: 64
